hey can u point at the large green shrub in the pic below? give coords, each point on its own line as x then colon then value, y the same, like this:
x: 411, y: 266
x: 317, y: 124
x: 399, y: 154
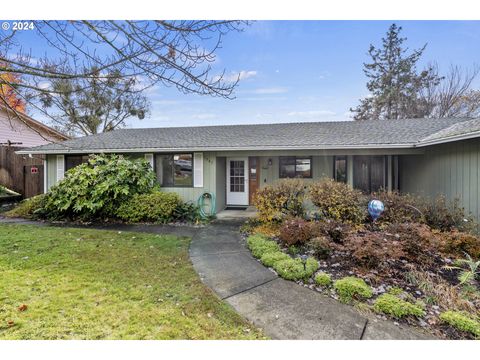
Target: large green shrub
x: 338, y: 201
x: 96, y: 189
x: 27, y: 208
x: 155, y: 207
x: 349, y: 288
x: 281, y: 199
x: 396, y: 307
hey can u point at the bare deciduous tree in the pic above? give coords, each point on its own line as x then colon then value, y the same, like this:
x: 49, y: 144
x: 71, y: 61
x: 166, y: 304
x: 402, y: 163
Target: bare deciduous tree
x: 453, y: 96
x: 170, y: 53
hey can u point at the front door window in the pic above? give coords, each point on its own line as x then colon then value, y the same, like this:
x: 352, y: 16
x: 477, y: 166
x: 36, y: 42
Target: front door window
x: 237, y: 176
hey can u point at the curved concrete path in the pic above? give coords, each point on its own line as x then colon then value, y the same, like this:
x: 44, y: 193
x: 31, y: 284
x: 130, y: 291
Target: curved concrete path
x: 284, y: 309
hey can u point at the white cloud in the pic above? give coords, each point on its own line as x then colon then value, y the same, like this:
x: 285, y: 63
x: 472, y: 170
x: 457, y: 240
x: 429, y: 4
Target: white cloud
x: 247, y: 74
x: 165, y: 102
x: 271, y: 90
x: 234, y: 75
x: 204, y: 116
x: 324, y: 75
x: 311, y: 114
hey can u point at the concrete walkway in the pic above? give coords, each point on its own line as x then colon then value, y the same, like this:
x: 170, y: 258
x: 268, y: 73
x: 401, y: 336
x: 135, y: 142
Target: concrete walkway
x: 284, y: 309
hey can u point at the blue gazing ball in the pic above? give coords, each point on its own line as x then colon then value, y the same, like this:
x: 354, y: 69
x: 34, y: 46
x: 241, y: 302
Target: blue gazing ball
x: 375, y: 209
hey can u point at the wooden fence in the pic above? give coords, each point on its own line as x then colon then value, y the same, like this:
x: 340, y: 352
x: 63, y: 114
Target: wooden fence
x: 21, y: 173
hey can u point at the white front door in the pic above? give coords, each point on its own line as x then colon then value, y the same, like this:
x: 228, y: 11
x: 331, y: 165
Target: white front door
x: 237, y: 181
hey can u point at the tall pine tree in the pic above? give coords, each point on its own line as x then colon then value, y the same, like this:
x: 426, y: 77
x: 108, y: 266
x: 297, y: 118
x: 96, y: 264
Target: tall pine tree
x: 394, y: 84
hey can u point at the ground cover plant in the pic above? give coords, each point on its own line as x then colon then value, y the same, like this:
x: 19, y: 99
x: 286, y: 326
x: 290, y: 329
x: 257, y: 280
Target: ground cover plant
x: 416, y: 263
x: 64, y: 283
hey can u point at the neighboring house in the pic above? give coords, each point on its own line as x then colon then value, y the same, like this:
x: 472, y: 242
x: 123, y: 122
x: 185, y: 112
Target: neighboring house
x: 25, y: 132
x: 17, y: 133
x: 423, y: 156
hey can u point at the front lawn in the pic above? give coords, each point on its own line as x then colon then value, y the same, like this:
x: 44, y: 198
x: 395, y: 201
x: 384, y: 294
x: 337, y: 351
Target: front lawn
x: 63, y: 283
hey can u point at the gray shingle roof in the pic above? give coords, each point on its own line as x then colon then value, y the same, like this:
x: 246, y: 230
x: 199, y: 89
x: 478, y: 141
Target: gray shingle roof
x: 313, y: 135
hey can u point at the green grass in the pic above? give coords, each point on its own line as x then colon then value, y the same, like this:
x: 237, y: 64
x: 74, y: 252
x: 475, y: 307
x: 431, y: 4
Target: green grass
x: 94, y: 284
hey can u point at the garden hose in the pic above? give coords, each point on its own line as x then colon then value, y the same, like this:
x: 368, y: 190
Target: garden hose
x: 201, y: 204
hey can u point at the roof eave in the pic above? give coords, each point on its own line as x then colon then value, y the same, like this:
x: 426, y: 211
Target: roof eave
x: 449, y: 139
x: 230, y: 148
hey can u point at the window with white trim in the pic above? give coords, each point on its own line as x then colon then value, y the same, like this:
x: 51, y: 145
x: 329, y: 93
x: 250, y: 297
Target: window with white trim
x: 174, y: 170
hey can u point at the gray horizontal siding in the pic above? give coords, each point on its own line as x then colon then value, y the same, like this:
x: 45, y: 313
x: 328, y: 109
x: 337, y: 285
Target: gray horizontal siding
x: 451, y: 169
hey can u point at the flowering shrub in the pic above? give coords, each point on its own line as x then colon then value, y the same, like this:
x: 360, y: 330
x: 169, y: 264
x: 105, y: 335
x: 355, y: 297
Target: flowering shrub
x: 338, y: 201
x: 283, y: 198
x: 268, y: 229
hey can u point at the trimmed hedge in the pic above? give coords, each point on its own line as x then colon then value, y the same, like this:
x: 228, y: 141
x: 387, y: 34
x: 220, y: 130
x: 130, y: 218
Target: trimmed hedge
x: 154, y: 207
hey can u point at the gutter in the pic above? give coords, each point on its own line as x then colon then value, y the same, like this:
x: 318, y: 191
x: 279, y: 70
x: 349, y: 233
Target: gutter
x: 198, y: 149
x: 420, y: 144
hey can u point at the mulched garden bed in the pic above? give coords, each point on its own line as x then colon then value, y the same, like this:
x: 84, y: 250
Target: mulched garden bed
x: 396, y: 272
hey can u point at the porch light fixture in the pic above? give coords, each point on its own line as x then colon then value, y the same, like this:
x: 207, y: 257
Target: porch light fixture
x: 270, y: 162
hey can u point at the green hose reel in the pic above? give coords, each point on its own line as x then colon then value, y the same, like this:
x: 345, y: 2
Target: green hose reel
x: 202, y: 204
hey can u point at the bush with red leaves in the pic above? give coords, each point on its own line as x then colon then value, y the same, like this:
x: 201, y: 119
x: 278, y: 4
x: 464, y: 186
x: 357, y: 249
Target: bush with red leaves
x: 295, y: 231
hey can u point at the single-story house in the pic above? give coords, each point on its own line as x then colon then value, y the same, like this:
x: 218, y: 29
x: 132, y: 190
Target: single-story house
x: 423, y: 156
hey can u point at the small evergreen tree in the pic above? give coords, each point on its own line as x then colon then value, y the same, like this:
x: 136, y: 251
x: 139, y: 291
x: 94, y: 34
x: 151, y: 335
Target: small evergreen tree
x: 394, y: 83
